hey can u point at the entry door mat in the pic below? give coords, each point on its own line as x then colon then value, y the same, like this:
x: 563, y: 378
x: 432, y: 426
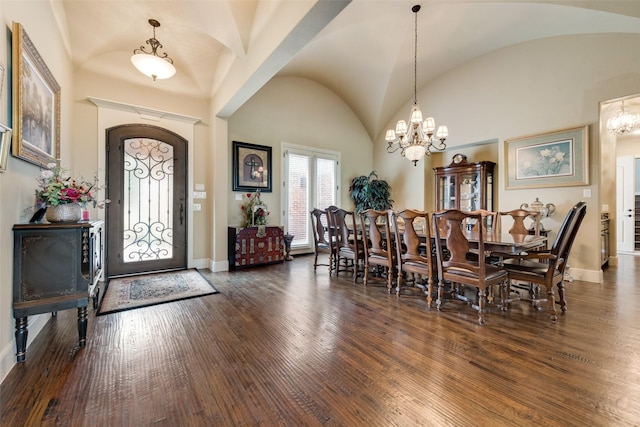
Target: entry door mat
x: 126, y: 293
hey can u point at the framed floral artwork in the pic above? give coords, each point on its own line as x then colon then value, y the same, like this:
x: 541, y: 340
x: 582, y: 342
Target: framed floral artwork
x: 554, y: 159
x: 251, y: 167
x: 36, y: 103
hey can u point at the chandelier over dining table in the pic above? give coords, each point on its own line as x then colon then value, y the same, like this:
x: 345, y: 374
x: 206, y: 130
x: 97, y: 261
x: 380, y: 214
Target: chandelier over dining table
x: 416, y: 139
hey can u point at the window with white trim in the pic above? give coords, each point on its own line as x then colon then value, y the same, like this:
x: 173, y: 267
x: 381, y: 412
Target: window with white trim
x: 310, y: 180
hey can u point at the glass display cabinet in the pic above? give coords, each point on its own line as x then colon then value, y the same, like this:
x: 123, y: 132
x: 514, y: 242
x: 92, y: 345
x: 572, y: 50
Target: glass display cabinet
x: 464, y: 185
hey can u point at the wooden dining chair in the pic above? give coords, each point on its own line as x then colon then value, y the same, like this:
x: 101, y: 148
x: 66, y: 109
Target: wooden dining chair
x: 378, y: 246
x: 489, y: 221
x: 546, y: 267
x: 456, y: 267
x: 350, y: 248
x: 414, y: 257
x: 519, y: 216
x: 321, y: 238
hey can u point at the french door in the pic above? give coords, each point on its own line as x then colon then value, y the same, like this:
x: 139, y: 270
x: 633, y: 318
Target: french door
x: 310, y: 179
x: 146, y: 183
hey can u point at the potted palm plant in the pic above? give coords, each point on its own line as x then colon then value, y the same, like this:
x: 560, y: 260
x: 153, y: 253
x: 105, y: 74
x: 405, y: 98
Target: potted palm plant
x: 369, y: 192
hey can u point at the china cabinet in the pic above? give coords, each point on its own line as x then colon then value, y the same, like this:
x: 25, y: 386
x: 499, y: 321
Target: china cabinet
x: 464, y: 185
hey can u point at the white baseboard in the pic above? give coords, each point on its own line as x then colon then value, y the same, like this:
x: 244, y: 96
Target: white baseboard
x: 8, y: 353
x: 593, y: 276
x: 199, y: 263
x: 217, y: 266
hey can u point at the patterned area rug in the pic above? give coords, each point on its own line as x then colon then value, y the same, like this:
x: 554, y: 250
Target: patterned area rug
x: 126, y: 293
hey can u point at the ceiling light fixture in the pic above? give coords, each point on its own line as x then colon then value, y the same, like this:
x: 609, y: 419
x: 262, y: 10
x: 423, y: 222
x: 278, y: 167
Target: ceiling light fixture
x: 152, y: 64
x: 624, y: 121
x: 416, y: 140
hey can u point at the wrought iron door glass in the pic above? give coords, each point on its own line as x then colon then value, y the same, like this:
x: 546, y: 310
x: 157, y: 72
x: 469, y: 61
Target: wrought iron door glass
x: 148, y: 214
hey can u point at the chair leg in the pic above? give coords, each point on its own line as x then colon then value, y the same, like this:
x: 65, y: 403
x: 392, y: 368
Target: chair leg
x: 440, y: 292
x: 365, y: 279
x: 552, y: 303
x: 429, y: 291
x: 563, y: 301
x: 482, y: 300
x: 315, y: 261
x: 399, y: 283
x: 505, y: 289
x: 389, y: 279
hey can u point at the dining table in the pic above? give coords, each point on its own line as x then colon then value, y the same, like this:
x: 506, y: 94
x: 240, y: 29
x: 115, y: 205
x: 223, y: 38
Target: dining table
x: 503, y: 242
x: 507, y: 242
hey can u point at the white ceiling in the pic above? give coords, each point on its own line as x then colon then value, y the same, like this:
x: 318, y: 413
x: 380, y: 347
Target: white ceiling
x: 364, y: 54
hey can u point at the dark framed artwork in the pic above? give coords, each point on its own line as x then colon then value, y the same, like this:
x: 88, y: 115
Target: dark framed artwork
x: 36, y: 104
x: 251, y: 167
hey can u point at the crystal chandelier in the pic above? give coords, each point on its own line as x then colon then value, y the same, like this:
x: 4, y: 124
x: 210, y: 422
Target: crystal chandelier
x: 624, y: 121
x: 416, y: 139
x: 152, y: 64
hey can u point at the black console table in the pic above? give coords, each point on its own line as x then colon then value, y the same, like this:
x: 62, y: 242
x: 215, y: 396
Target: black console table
x: 55, y: 267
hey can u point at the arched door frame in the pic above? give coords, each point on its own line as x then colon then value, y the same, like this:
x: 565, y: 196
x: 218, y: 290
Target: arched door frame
x: 111, y: 113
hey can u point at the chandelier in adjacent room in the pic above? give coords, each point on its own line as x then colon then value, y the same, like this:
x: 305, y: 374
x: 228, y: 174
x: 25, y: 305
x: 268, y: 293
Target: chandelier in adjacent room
x: 624, y: 121
x: 416, y: 139
x: 153, y: 64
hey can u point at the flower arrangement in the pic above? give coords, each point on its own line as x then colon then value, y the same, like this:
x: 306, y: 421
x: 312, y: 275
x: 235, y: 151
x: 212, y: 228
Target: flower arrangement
x: 56, y: 187
x: 548, y: 162
x: 254, y: 212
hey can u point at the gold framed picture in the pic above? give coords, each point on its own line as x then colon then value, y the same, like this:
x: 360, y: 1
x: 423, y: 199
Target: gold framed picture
x: 5, y: 143
x: 554, y: 159
x: 36, y: 103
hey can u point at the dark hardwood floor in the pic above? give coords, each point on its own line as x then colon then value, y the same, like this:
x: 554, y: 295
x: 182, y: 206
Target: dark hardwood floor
x: 282, y: 345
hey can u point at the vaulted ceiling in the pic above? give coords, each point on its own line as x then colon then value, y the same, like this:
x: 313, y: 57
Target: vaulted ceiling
x: 362, y: 49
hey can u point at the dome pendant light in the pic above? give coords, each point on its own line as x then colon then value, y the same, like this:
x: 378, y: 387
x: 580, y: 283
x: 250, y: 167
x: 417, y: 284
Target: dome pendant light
x: 153, y: 64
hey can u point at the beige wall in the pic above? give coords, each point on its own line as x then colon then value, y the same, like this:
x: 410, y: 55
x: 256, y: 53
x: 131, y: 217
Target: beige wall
x: 17, y: 184
x: 530, y: 88
x: 86, y: 134
x: 535, y: 87
x: 300, y: 111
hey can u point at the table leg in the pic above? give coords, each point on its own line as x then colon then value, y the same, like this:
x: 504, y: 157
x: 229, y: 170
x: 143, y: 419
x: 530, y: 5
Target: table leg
x: 21, y: 338
x: 82, y: 326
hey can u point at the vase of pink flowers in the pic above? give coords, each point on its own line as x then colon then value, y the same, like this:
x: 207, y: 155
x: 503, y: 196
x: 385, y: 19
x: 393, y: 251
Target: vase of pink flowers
x: 64, y: 197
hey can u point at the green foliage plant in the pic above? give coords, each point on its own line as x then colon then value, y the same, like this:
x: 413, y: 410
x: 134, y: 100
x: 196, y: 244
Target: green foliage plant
x: 369, y: 192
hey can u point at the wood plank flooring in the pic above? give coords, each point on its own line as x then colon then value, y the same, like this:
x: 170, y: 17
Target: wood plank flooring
x: 284, y: 346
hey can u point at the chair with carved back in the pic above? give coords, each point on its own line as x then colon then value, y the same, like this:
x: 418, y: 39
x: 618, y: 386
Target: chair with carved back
x: 322, y: 238
x: 489, y: 225
x: 519, y: 216
x: 547, y: 267
x: 519, y: 227
x: 413, y: 257
x: 489, y: 221
x: 349, y: 242
x: 378, y: 250
x: 457, y: 268
x: 333, y: 235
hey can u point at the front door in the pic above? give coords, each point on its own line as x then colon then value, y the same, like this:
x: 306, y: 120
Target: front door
x: 146, y: 183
